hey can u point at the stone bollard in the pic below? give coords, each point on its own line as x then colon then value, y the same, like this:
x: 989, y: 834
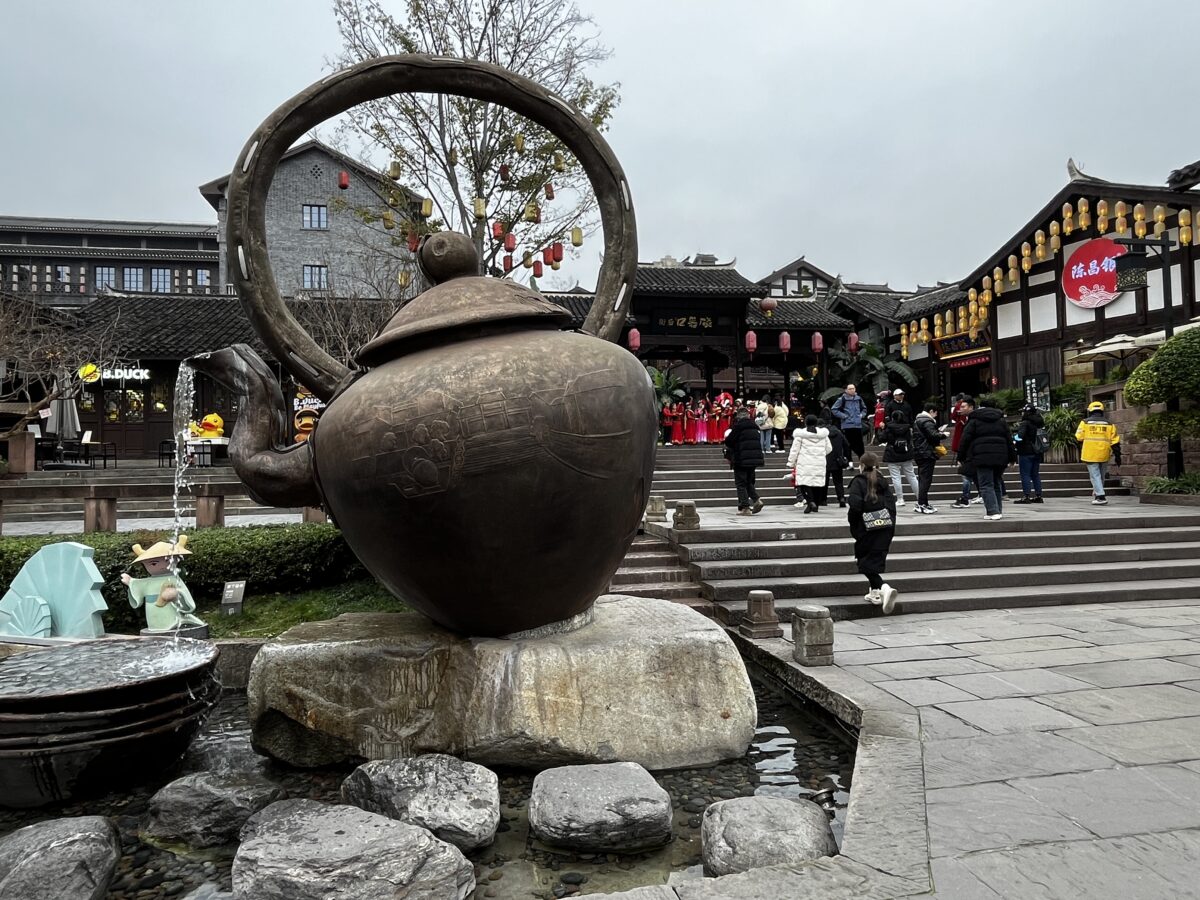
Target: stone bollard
x: 656, y: 509
x: 686, y: 516
x: 313, y: 514
x: 761, y: 620
x: 99, y: 514
x: 210, y: 511
x: 812, y: 631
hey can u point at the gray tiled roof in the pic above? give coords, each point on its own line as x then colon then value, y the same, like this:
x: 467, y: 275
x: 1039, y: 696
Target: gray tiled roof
x: 928, y: 302
x: 164, y: 326
x: 108, y: 226
x: 578, y: 304
x: 692, y: 281
x: 796, y: 314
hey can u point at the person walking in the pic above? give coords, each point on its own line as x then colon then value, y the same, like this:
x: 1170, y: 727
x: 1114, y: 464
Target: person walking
x: 764, y: 418
x: 880, y: 418
x: 899, y: 454
x: 898, y: 404
x: 1032, y: 443
x: 779, y: 422
x: 810, y: 448
x: 927, y: 440
x: 987, y: 445
x: 1100, y: 444
x: 872, y: 519
x: 838, y: 458
x: 849, y: 411
x: 964, y: 405
x: 746, y: 456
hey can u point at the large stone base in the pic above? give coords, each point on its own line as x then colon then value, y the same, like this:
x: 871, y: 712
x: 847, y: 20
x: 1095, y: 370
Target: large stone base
x: 648, y: 681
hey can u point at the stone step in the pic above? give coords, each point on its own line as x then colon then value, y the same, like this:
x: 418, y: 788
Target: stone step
x: 853, y: 606
x: 664, y: 590
x: 946, y: 543
x: 940, y: 500
x: 942, y: 471
x: 635, y: 559
x: 980, y: 579
x: 167, y: 512
x: 627, y: 576
x: 950, y: 522
x: 944, y: 493
x: 759, y: 570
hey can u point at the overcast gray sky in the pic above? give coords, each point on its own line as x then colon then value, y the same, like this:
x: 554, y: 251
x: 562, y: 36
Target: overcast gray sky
x: 898, y: 141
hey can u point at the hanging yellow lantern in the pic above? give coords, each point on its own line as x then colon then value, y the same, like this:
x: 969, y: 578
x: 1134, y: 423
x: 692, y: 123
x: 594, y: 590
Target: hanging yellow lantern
x: 404, y: 278
x: 1026, y: 257
x: 560, y: 163
x: 914, y: 327
x: 937, y: 319
x: 427, y: 207
x: 1122, y: 225
x: 1085, y: 217
x: 452, y: 157
x: 527, y: 259
x: 998, y: 280
x: 1055, y: 243
x: 938, y: 333
x: 393, y: 171
x: 519, y: 142
x: 1014, y: 277
x: 973, y: 308
x: 1185, y: 226
x: 389, y: 219
x: 576, y: 236
x: 532, y: 213
x: 983, y: 314
x: 1139, y: 227
x: 985, y: 298
x: 1139, y: 212
x: 1160, y: 213
x: 1039, y: 240
x: 480, y: 208
x: 1121, y: 209
x: 972, y: 295
x: 393, y: 200
x: 950, y: 321
x: 1054, y: 229
x: 556, y: 265
x: 1068, y: 224
x: 987, y: 282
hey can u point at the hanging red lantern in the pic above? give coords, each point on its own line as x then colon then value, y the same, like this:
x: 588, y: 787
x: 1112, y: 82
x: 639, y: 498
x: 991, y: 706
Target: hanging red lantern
x: 751, y: 342
x: 510, y: 242
x: 557, y: 249
x: 785, y: 342
x: 634, y: 340
x: 768, y: 306
x: 508, y: 262
x: 547, y: 255
x: 504, y: 172
x: 537, y: 268
x: 549, y: 191
x: 818, y: 342
x: 498, y: 230
x: 343, y: 180
x: 852, y: 342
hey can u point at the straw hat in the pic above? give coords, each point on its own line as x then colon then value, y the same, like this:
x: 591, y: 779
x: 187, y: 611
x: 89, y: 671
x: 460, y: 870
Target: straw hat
x: 161, y: 550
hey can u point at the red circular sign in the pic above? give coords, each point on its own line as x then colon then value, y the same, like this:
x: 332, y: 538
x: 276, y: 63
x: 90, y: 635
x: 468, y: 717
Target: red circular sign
x: 1090, y: 276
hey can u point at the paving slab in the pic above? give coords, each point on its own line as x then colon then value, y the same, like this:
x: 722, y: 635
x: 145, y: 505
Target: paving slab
x: 899, y: 654
x: 1042, y: 659
x: 1112, y: 802
x: 952, y: 878
x: 1115, y: 706
x: 1133, y: 635
x: 1007, y: 715
x: 924, y: 691
x: 976, y: 759
x: 1143, y: 743
x: 929, y: 668
x: 1128, y: 672
x: 846, y: 643
x: 1150, y: 649
x: 992, y: 816
x: 1019, y: 683
x: 1027, y: 644
x: 941, y: 726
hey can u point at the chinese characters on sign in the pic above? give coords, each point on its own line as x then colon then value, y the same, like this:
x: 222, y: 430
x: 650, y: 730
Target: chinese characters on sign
x: 1090, y: 276
x: 1037, y: 390
x: 683, y: 322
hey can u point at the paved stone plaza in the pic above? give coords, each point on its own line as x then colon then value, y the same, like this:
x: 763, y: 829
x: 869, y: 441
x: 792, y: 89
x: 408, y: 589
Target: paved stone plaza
x: 1053, y: 752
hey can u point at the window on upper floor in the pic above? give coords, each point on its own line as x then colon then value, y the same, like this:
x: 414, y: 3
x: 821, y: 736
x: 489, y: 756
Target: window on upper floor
x: 160, y: 281
x: 62, y: 275
x: 316, y: 278
x: 202, y: 278
x: 106, y: 278
x: 131, y: 278
x: 314, y: 216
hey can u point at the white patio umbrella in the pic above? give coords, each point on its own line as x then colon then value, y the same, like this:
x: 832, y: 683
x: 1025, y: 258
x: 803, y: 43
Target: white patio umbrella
x: 1119, y: 347
x: 64, y: 418
x: 1152, y: 340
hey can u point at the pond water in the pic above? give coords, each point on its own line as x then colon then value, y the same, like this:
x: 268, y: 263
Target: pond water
x: 795, y: 754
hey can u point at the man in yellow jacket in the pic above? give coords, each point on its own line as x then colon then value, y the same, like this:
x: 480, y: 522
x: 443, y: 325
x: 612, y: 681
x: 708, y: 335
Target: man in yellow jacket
x: 1100, y: 443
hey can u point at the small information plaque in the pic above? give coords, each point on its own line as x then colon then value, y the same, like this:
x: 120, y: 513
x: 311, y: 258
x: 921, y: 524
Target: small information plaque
x: 231, y: 598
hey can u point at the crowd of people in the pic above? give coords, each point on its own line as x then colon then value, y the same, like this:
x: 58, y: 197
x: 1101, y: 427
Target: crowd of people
x: 824, y: 446
x: 707, y: 419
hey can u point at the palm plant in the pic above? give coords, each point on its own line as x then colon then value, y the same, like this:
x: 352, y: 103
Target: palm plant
x: 667, y: 388
x: 870, y: 366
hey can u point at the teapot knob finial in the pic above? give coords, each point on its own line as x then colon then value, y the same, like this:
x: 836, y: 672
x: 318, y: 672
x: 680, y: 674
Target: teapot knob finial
x: 447, y: 254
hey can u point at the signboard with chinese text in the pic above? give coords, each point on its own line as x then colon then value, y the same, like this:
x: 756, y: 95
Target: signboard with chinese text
x: 960, y: 345
x: 1090, y: 274
x: 1037, y: 390
x: 683, y: 323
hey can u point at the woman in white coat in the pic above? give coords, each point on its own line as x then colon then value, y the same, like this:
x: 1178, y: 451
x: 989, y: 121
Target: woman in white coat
x: 810, y: 446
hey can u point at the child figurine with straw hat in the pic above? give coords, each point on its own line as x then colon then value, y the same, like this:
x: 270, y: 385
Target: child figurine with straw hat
x: 169, y: 604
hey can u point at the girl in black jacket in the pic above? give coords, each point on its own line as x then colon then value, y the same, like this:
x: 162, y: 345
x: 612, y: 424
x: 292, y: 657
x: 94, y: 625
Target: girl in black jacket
x: 837, y: 460
x: 745, y: 454
x: 1028, y: 457
x: 869, y: 493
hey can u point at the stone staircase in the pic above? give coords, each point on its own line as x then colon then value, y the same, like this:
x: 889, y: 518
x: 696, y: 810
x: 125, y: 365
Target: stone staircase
x: 1070, y: 552
x: 652, y: 568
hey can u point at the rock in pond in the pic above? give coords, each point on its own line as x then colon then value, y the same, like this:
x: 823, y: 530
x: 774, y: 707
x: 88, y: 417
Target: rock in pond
x: 600, y: 808
x: 458, y: 801
x: 593, y: 695
x: 207, y: 809
x: 305, y: 850
x: 750, y: 832
x: 60, y: 859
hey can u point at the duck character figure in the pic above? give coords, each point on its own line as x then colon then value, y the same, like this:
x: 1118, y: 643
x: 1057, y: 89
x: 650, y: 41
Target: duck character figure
x: 211, y: 426
x: 169, y: 604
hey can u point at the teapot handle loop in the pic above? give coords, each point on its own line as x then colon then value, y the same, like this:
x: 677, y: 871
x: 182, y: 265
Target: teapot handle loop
x: 246, y: 242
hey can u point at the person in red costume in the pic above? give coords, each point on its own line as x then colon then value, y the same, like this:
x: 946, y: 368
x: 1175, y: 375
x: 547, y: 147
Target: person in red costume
x: 677, y: 423
x: 665, y: 421
x: 689, y: 422
x: 724, y: 415
x: 702, y: 420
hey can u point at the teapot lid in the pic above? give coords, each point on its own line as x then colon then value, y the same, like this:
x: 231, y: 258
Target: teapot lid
x: 463, y: 300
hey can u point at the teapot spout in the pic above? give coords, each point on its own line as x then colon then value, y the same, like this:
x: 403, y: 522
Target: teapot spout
x: 276, y: 471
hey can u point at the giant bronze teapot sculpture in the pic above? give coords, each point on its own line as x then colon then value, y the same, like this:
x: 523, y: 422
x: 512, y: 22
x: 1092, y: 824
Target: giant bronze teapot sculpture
x: 487, y: 466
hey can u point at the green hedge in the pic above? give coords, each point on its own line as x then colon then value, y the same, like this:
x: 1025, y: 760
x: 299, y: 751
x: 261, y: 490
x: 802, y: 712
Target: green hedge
x: 1173, y: 371
x: 1184, y: 484
x: 271, y: 558
x: 1161, y: 426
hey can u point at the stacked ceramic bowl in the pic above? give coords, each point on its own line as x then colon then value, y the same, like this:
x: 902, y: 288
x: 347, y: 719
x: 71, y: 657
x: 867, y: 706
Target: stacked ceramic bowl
x: 82, y: 718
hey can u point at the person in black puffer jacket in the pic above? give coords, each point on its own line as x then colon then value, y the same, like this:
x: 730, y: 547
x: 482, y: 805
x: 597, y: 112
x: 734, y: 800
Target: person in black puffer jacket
x: 745, y: 454
x: 926, y: 439
x: 1028, y: 456
x: 899, y: 454
x: 869, y: 493
x: 837, y: 460
x: 988, y: 446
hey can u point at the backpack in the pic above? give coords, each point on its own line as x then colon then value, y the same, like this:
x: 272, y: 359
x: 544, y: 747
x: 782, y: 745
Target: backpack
x: 1041, y: 441
x: 900, y: 444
